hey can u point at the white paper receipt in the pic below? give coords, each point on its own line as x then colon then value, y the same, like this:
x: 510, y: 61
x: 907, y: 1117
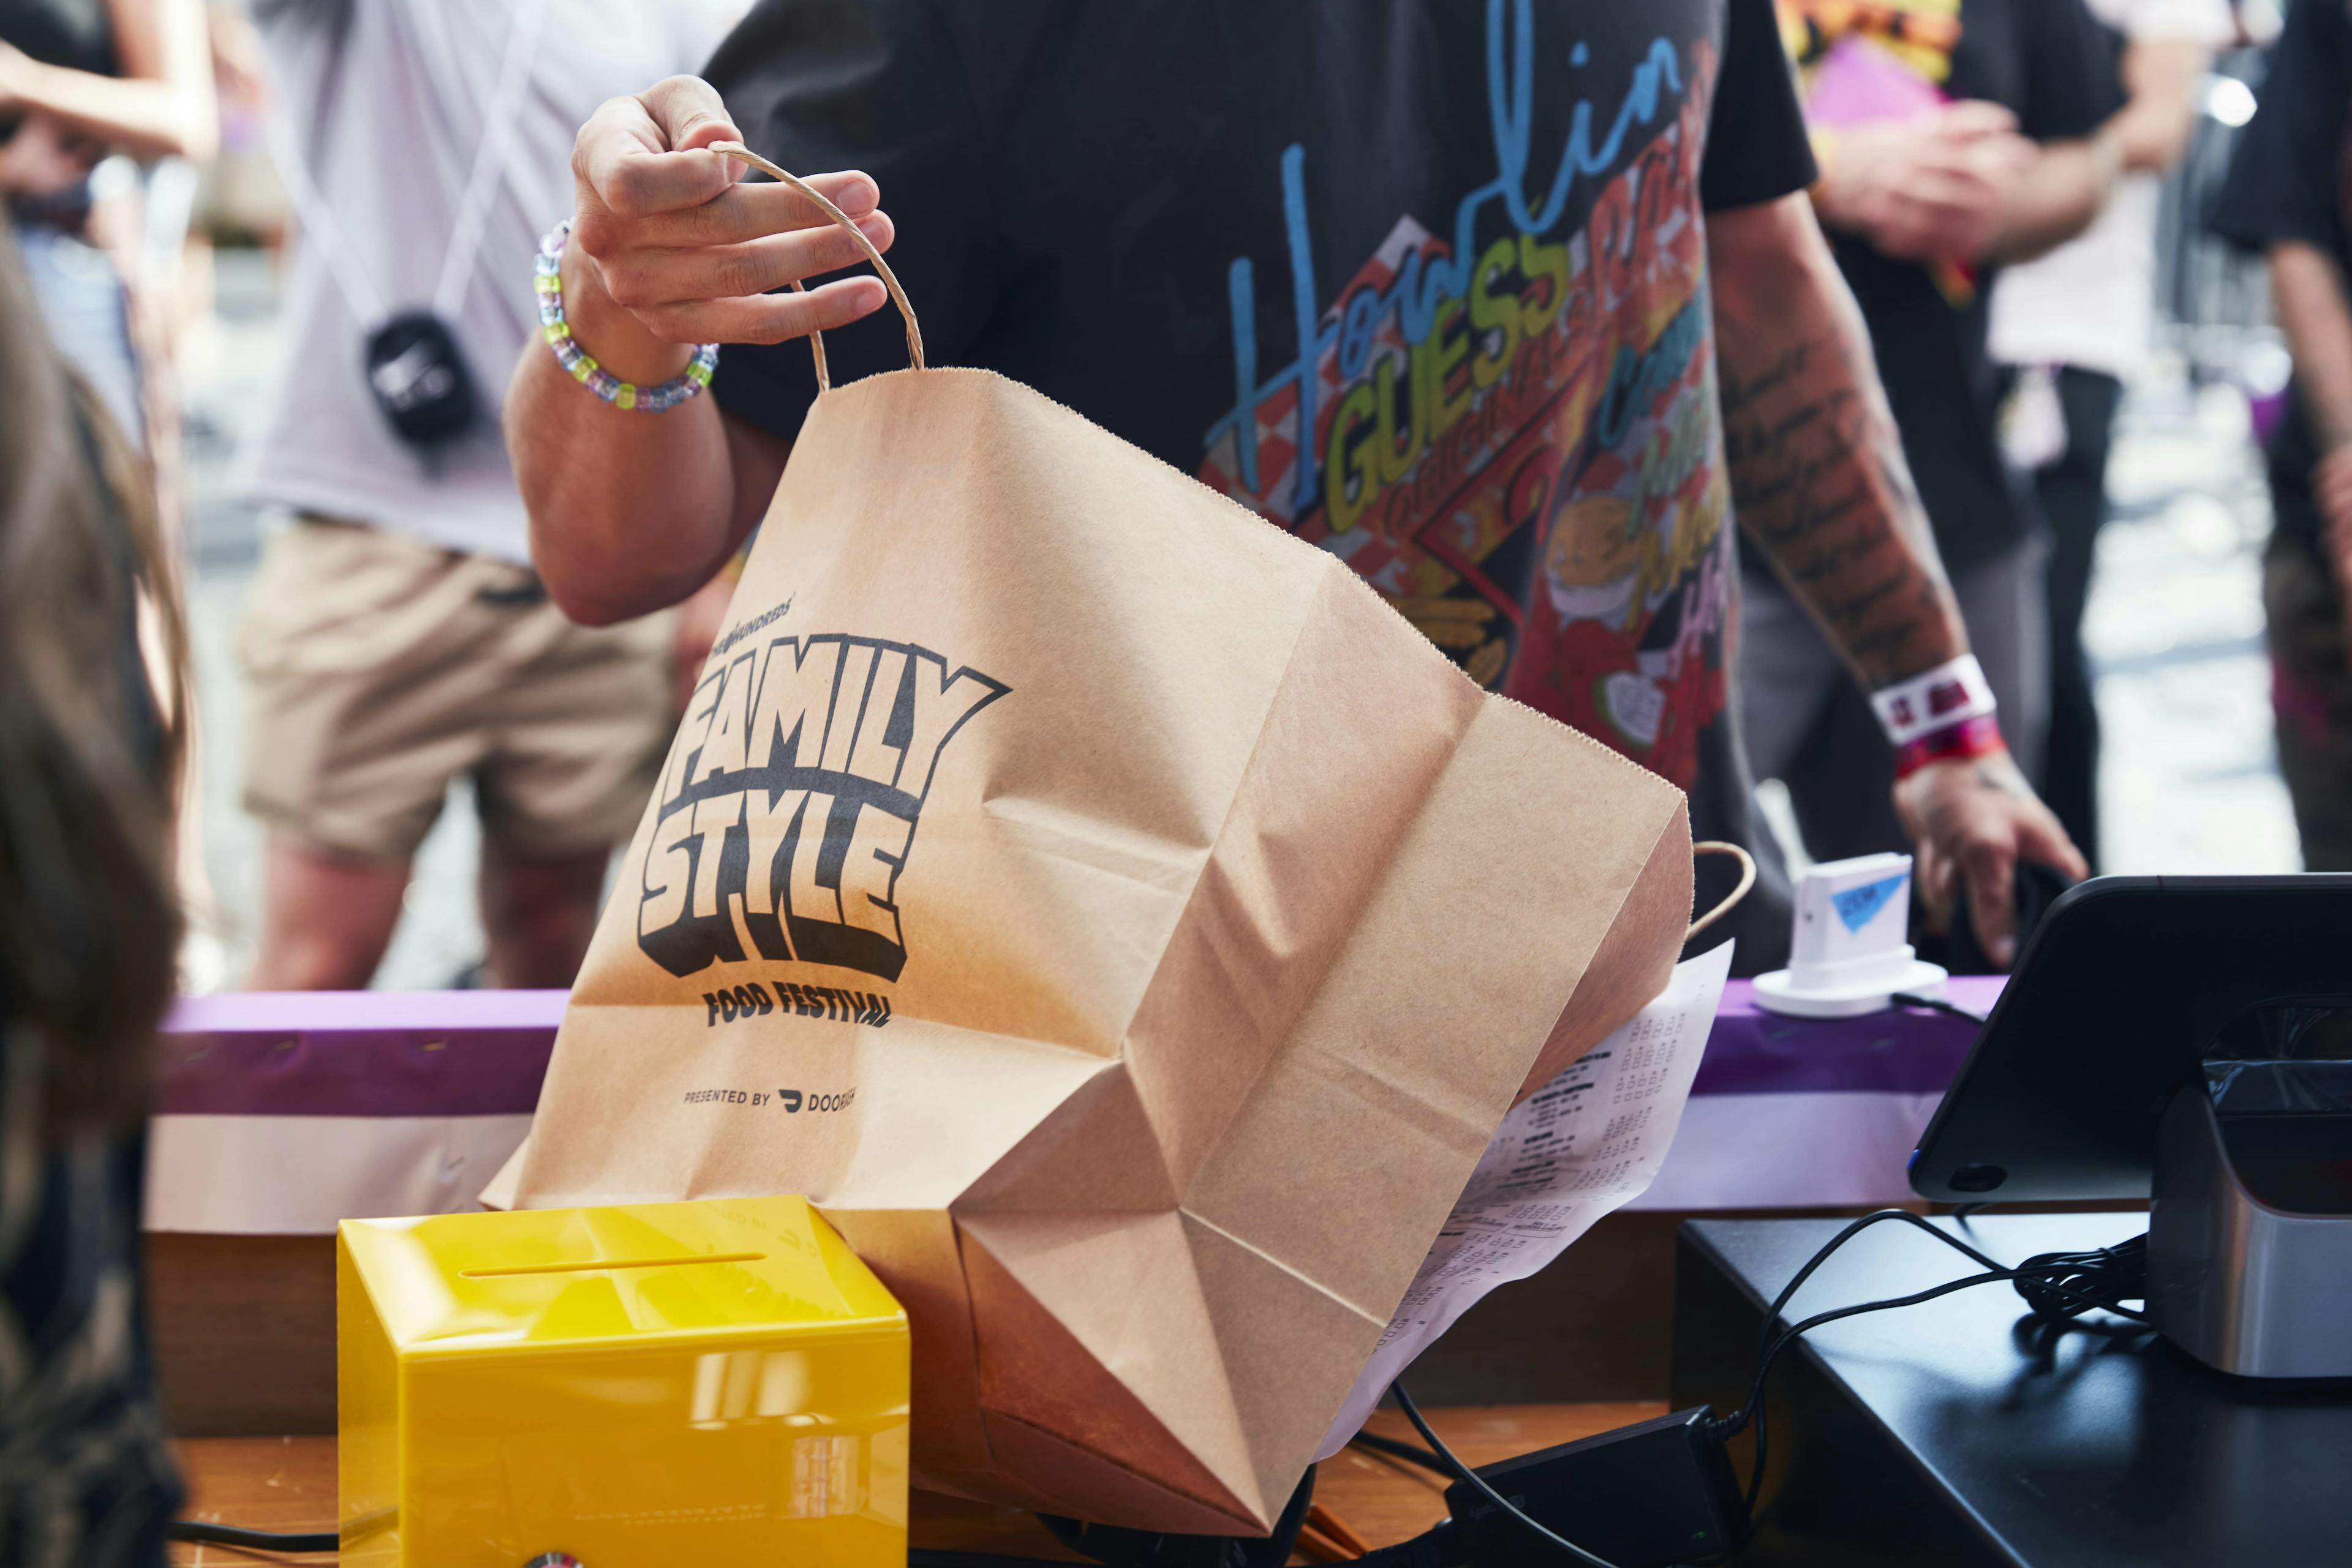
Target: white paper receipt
x: 1587, y: 1142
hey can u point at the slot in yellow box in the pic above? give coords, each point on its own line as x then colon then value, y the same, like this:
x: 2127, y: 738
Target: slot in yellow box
x: 637, y: 1387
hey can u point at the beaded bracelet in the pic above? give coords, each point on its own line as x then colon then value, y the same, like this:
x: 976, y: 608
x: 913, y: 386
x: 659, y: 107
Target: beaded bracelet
x: 547, y: 280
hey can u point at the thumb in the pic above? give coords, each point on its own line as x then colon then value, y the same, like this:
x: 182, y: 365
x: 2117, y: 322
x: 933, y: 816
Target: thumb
x: 2048, y: 845
x: 689, y: 113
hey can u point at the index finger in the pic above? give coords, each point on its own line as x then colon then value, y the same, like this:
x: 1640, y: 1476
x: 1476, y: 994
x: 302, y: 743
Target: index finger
x: 1992, y: 877
x: 2005, y: 150
x: 758, y: 209
x: 624, y: 157
x: 2045, y: 842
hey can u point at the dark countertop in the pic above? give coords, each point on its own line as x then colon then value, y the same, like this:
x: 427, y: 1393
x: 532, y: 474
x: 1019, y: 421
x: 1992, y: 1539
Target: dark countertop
x: 1956, y: 1431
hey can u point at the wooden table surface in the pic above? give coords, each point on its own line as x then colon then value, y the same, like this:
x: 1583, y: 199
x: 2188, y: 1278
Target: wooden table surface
x: 288, y: 1483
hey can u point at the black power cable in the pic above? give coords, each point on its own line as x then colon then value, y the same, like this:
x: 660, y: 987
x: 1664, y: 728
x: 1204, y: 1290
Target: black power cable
x: 2061, y: 1284
x: 1397, y: 1448
x: 2057, y: 1285
x: 1479, y: 1482
x: 204, y: 1534
x: 1935, y: 1005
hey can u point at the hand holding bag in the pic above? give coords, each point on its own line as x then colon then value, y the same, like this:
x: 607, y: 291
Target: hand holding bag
x: 1124, y: 926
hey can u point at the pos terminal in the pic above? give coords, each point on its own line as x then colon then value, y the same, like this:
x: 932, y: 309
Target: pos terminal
x: 2187, y: 1039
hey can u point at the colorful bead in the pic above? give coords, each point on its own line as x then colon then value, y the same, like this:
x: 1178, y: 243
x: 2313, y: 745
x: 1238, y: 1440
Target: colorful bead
x: 547, y: 280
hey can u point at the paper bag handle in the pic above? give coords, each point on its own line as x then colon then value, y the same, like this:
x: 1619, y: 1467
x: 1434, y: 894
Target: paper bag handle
x: 1746, y: 880
x: 889, y: 278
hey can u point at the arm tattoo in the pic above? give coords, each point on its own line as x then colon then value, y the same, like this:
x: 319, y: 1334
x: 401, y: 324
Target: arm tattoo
x: 1820, y: 484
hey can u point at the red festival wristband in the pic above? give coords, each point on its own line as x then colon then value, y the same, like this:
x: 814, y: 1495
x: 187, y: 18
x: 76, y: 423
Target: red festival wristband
x: 1978, y: 736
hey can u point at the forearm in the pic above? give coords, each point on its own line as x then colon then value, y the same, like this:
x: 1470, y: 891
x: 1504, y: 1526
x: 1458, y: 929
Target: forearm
x: 630, y: 513
x: 2059, y: 196
x: 145, y: 119
x: 1817, y: 476
x: 2153, y: 129
x: 2307, y: 290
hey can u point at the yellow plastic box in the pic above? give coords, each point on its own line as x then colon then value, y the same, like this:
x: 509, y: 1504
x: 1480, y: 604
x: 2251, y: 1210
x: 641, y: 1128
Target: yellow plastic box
x: 645, y: 1386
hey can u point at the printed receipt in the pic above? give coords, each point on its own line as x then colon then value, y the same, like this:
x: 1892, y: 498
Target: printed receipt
x: 1585, y: 1143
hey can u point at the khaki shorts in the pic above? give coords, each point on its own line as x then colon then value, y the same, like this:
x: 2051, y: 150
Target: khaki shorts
x: 380, y: 668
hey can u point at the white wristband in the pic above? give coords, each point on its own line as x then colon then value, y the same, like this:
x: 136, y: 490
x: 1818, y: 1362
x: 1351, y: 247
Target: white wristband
x: 1947, y: 695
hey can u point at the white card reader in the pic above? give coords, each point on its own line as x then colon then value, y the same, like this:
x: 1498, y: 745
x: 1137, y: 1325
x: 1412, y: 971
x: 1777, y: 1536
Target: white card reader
x: 1849, y: 953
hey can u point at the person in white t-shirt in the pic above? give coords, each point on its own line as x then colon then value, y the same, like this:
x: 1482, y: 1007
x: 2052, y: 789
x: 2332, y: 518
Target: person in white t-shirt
x: 2084, y: 314
x: 397, y: 639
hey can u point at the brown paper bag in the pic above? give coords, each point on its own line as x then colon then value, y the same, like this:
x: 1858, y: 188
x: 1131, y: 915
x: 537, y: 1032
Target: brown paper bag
x: 1123, y: 925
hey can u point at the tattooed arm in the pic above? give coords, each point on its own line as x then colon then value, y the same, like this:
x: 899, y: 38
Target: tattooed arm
x: 1817, y: 469
x: 1821, y: 489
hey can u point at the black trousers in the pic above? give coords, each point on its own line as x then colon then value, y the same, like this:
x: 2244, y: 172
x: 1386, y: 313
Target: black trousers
x: 2073, y: 495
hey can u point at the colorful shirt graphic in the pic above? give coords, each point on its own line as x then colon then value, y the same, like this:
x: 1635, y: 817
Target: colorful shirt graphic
x: 1512, y: 427
x: 1424, y: 281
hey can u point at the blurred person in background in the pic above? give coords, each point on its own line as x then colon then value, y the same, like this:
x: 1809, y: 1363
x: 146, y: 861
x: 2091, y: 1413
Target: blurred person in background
x: 2286, y: 198
x: 1955, y: 136
x: 1442, y: 289
x: 2259, y: 23
x: 2079, y: 322
x: 88, y: 926
x: 80, y: 79
x: 396, y: 640
x: 91, y: 83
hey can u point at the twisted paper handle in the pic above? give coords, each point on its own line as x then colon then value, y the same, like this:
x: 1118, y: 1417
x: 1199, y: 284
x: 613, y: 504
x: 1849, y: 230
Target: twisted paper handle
x: 889, y: 278
x: 1746, y: 880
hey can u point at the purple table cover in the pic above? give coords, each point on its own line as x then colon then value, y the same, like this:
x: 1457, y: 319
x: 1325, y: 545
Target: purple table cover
x: 392, y: 1103
x: 1910, y: 1051
x: 482, y: 1053
x: 357, y: 1053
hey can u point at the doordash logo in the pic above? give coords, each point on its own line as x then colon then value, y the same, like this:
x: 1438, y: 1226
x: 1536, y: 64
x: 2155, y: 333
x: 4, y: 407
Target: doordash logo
x: 790, y: 802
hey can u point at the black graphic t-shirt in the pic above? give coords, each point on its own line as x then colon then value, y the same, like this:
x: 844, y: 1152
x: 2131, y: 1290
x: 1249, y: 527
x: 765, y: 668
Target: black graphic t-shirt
x: 2049, y: 63
x: 1422, y: 281
x: 2289, y: 180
